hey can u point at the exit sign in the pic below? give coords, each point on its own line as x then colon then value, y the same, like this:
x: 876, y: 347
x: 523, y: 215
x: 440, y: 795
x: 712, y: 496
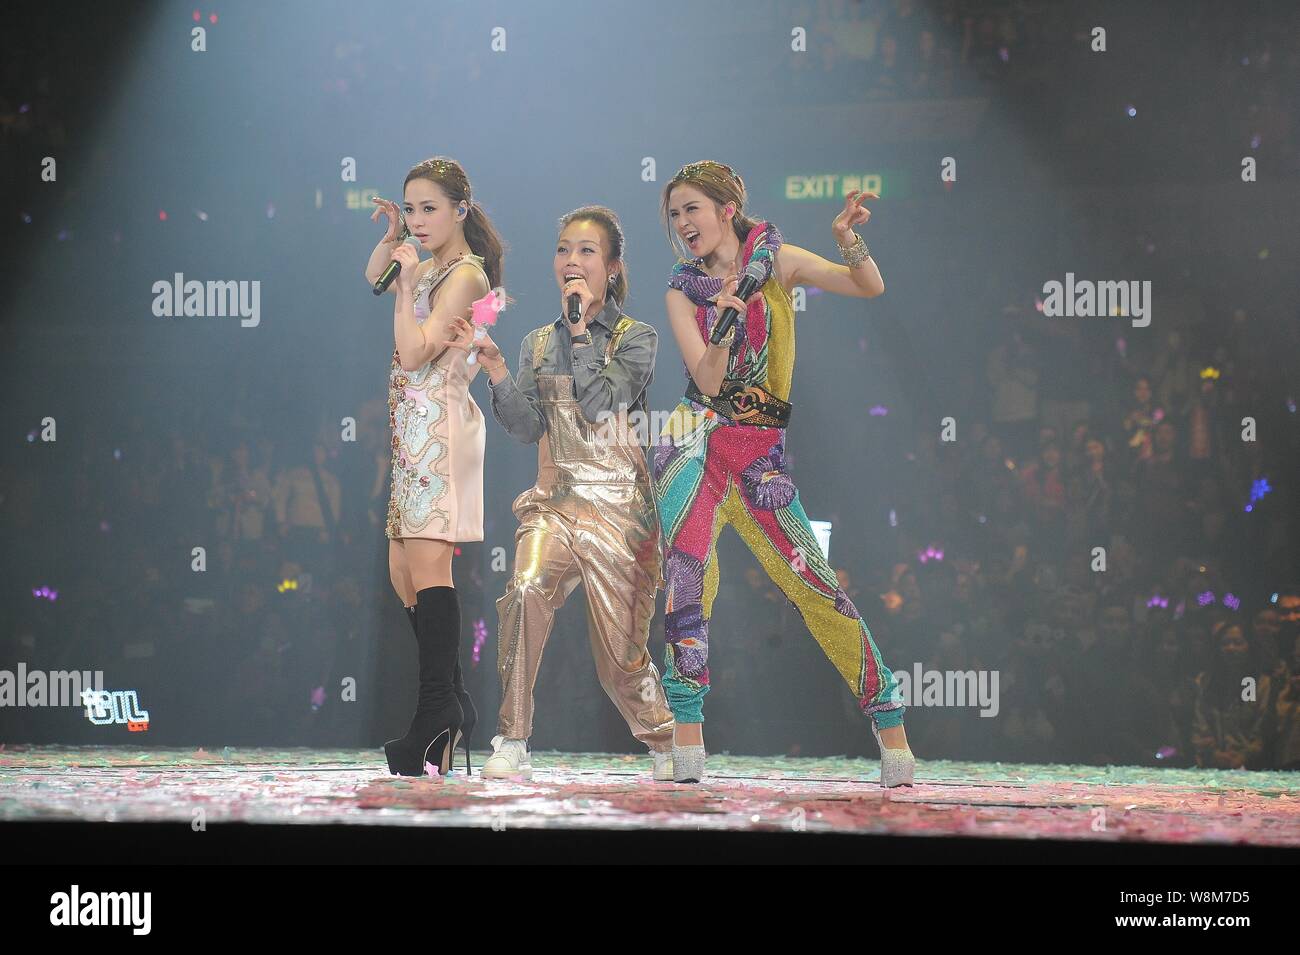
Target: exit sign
x: 835, y: 186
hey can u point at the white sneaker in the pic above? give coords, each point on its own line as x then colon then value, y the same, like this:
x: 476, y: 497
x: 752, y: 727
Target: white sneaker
x: 509, y: 759
x: 663, y: 766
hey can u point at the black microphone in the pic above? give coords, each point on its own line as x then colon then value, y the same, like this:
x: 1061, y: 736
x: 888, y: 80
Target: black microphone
x: 575, y: 308
x: 750, y: 281
x: 390, y: 273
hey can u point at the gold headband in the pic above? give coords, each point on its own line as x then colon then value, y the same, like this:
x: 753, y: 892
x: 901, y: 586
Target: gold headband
x: 710, y: 171
x: 442, y: 167
x: 705, y: 165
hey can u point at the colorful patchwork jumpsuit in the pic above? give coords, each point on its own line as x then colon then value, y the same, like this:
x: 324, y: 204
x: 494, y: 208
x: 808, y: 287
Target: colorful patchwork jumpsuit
x: 710, y: 472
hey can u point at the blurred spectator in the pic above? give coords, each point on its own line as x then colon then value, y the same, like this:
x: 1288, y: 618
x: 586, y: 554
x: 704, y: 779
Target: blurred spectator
x: 1232, y: 719
x: 1043, y: 484
x: 307, y: 527
x: 1287, y: 718
x: 242, y: 497
x: 1139, y: 425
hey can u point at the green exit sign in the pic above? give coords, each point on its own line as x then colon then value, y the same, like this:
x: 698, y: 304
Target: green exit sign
x: 835, y: 186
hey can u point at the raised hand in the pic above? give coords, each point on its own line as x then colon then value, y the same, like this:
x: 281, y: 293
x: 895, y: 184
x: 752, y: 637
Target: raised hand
x: 853, y: 214
x: 727, y: 297
x: 395, y: 221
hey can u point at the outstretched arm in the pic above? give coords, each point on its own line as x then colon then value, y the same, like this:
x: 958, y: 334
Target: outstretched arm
x: 800, y: 267
x: 514, y: 400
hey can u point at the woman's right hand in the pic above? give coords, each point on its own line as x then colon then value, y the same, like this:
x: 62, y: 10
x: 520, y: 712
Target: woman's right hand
x: 466, y: 335
x: 727, y: 297
x: 395, y: 221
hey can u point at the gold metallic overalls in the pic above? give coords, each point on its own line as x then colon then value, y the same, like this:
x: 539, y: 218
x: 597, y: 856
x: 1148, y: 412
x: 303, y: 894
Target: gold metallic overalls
x: 591, y: 518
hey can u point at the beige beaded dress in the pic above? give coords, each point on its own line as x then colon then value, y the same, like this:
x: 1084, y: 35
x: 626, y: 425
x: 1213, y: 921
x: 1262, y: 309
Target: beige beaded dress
x: 438, y: 437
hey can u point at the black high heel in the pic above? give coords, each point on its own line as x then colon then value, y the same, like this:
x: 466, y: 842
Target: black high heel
x: 435, y: 727
x: 468, y: 710
x: 407, y: 756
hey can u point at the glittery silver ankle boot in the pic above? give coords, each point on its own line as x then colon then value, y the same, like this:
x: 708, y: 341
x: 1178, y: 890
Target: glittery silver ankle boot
x: 896, y: 765
x: 688, y: 763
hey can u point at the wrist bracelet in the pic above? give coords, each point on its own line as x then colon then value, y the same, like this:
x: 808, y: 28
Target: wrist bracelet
x: 855, y: 254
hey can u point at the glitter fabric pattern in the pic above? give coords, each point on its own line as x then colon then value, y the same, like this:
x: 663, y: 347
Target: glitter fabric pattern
x: 710, y: 473
x: 589, y: 519
x: 438, y: 439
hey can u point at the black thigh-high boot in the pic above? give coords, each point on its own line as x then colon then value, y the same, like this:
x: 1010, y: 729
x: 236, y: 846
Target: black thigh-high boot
x: 435, y: 728
x: 468, y: 710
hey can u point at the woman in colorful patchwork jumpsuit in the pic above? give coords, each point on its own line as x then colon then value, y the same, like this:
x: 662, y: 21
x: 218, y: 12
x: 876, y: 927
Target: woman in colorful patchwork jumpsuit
x: 721, y: 458
x: 590, y: 518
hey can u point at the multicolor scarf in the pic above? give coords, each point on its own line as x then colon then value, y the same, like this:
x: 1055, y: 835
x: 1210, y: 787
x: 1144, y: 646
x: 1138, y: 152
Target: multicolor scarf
x: 748, y: 362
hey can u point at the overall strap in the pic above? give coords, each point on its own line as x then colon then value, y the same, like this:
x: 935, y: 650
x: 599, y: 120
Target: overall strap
x: 539, y: 345
x: 622, y: 325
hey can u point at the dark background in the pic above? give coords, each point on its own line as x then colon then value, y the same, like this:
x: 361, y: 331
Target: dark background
x: 234, y: 145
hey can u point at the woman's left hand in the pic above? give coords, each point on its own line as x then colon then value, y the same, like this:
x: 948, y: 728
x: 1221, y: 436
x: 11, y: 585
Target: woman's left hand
x: 854, y: 213
x: 467, y: 335
x: 462, y: 335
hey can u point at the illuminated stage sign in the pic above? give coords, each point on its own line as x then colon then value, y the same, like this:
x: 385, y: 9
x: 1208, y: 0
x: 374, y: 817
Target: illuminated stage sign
x: 834, y: 186
x: 359, y: 199
x: 103, y: 708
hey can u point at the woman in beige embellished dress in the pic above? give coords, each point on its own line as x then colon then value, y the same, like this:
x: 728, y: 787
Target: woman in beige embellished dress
x: 437, y: 438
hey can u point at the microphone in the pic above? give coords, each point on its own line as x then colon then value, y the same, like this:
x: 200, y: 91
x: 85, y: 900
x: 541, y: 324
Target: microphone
x: 575, y: 308
x: 390, y: 273
x: 749, y: 282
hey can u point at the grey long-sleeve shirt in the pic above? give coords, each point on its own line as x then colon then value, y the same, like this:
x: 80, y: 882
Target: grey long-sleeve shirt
x: 597, y: 387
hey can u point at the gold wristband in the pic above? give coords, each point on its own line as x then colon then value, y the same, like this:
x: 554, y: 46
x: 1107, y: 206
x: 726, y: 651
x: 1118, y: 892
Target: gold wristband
x: 726, y: 340
x: 855, y: 254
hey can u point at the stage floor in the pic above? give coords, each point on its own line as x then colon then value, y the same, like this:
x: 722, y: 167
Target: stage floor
x: 47, y: 784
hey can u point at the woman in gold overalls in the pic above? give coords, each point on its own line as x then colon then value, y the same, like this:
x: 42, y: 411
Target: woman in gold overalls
x: 580, y: 393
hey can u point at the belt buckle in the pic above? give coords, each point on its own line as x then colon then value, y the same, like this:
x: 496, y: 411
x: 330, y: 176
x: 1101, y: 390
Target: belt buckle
x: 745, y: 402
